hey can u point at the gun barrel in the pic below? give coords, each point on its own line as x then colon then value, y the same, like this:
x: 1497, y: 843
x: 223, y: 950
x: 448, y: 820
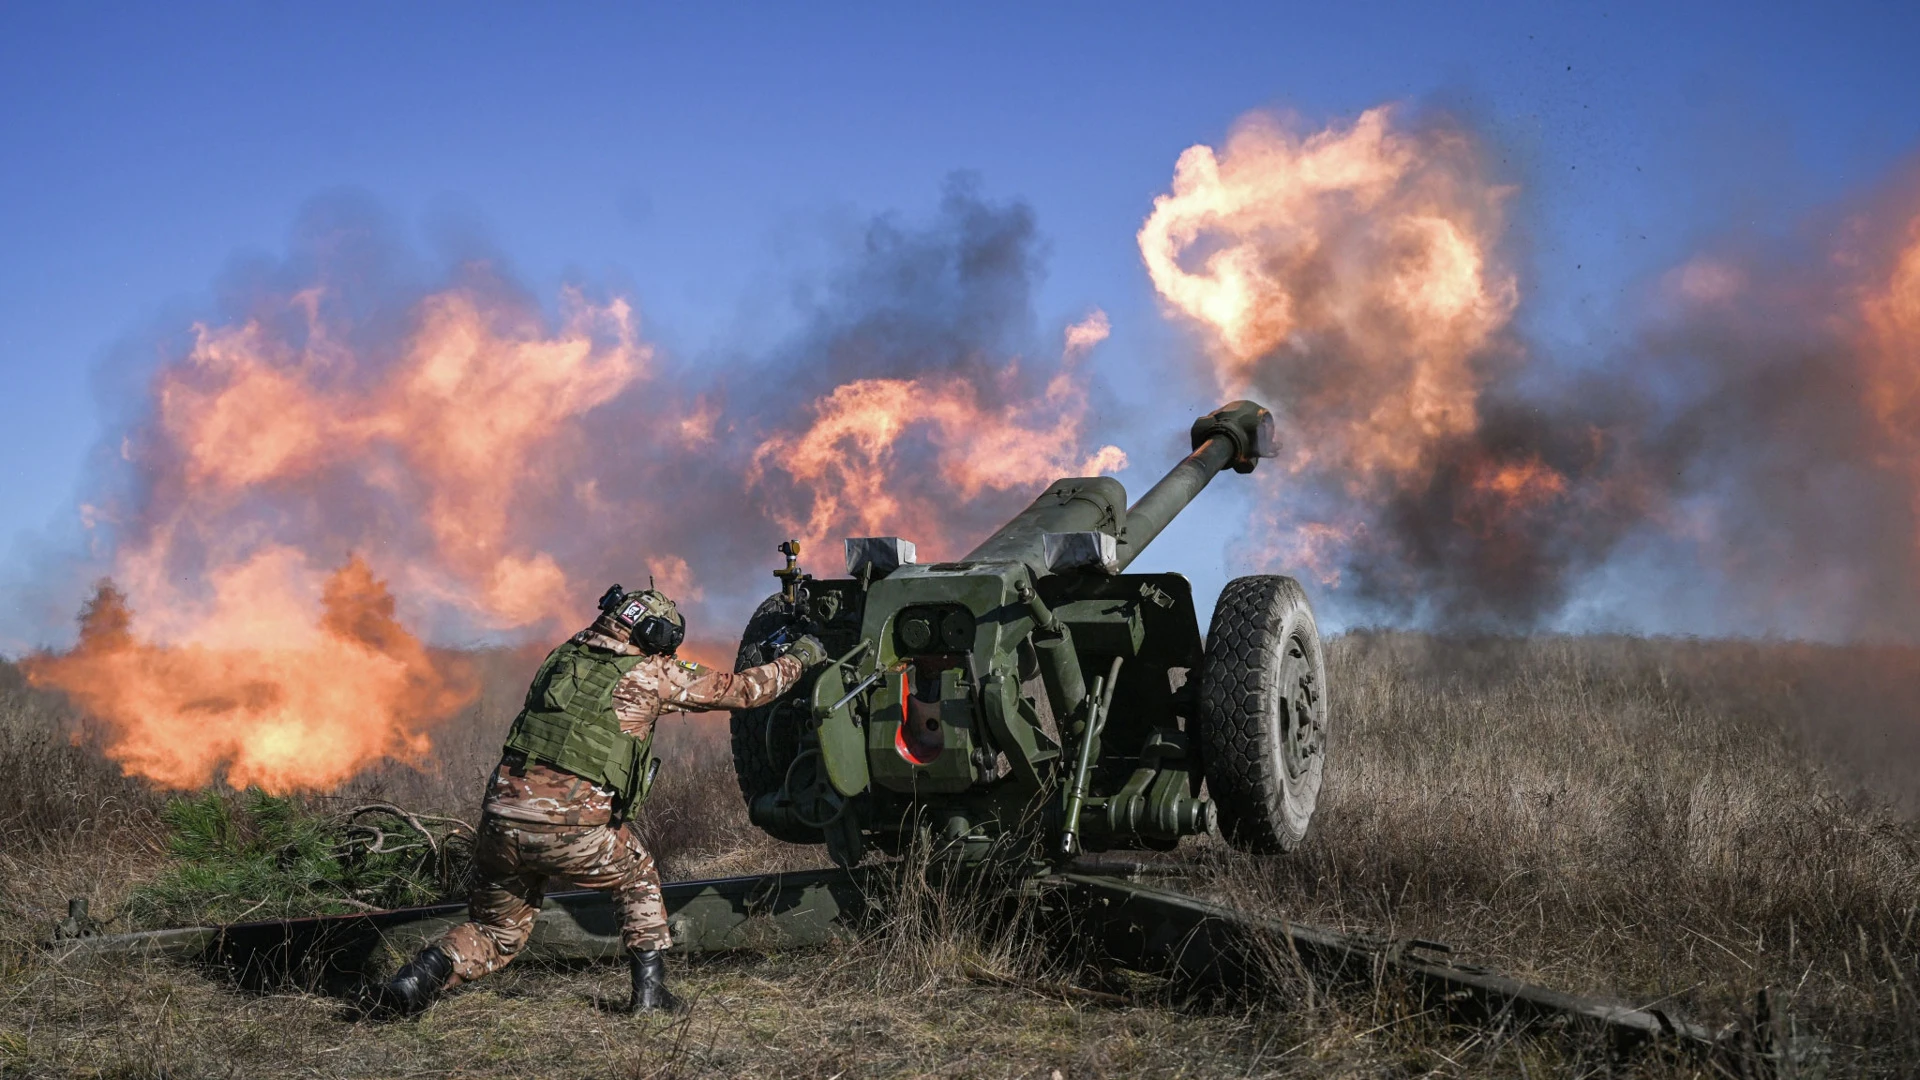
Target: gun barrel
x: 1164, y: 501
x: 1076, y: 504
x: 1236, y: 434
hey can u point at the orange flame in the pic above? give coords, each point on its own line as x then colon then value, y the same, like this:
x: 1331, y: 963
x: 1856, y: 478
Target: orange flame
x: 1521, y: 483
x: 1363, y: 250
x: 275, y: 699
x: 231, y: 651
x: 458, y: 422
x: 1502, y: 492
x: 1348, y: 276
x: 854, y: 473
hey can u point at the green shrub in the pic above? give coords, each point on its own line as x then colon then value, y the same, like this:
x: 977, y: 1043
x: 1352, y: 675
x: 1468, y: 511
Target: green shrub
x: 251, y: 855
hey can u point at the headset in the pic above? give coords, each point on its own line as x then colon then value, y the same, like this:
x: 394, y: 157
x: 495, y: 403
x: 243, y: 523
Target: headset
x: 651, y: 620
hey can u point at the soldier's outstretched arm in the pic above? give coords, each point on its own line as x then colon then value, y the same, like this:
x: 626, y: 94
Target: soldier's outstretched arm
x: 689, y: 686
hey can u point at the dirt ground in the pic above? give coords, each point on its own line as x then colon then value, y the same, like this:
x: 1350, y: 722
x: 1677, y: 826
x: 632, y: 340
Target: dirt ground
x: 1666, y: 821
x: 785, y: 1015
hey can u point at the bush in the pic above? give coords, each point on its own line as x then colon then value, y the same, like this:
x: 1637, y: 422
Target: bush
x: 253, y: 855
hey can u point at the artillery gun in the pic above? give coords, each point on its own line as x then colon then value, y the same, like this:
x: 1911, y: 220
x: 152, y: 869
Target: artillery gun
x: 1031, y: 692
x: 1035, y: 689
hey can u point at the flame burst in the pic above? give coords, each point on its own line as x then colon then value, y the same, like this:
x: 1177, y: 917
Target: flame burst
x: 275, y: 453
x: 270, y: 697
x: 458, y: 423
x: 1349, y: 271
x: 1505, y: 489
x: 896, y: 456
x: 1350, y: 277
x: 1747, y: 456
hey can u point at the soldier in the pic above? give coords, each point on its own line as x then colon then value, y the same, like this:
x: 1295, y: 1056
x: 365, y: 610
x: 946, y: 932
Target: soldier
x: 575, y: 759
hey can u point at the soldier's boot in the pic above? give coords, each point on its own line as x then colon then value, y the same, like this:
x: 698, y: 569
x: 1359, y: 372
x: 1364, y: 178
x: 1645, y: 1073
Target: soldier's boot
x: 415, y: 985
x: 650, y: 991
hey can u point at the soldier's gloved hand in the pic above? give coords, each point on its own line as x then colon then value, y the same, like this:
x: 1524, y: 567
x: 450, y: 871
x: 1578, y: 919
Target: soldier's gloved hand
x: 808, y: 651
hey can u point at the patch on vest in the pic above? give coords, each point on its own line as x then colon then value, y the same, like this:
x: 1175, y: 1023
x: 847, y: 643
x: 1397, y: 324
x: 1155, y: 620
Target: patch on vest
x: 688, y: 665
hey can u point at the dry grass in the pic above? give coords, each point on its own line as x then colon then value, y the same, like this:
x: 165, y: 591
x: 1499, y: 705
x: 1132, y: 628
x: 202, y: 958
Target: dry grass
x: 1669, y: 820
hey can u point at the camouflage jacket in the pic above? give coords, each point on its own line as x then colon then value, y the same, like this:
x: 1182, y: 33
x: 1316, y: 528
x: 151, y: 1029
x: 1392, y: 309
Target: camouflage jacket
x: 538, y: 793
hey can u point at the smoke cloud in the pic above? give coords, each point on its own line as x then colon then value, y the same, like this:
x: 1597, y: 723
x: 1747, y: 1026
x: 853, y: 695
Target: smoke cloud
x: 357, y: 453
x: 354, y: 455
x: 1752, y: 450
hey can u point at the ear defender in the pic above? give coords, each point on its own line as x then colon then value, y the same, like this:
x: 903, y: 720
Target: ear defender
x: 659, y: 634
x: 649, y: 619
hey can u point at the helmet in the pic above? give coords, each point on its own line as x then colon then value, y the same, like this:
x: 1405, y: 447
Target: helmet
x: 646, y: 617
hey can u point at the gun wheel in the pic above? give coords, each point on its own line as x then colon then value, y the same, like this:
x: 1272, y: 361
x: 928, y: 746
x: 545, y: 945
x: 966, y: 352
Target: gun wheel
x: 766, y: 742
x: 1263, y: 713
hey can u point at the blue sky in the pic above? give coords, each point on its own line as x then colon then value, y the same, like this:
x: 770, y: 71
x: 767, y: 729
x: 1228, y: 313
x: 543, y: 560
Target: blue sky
x: 701, y: 158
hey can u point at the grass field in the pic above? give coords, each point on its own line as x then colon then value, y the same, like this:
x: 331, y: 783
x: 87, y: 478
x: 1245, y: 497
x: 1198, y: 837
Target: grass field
x: 1668, y: 821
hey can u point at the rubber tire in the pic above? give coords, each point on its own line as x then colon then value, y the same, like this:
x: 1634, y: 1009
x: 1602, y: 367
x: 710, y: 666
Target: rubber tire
x: 1263, y: 806
x: 756, y: 771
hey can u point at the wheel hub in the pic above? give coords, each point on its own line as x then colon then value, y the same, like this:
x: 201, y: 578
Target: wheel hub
x: 1300, y: 733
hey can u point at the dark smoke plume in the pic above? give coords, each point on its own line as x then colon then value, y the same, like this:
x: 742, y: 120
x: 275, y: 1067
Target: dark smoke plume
x: 1747, y: 452
x: 1747, y: 463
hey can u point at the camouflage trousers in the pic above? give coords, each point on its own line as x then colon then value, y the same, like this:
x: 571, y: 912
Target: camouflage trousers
x: 514, y: 859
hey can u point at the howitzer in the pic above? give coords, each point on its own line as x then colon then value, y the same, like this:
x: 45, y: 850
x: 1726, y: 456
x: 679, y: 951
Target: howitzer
x: 1031, y: 690
x: 1035, y: 688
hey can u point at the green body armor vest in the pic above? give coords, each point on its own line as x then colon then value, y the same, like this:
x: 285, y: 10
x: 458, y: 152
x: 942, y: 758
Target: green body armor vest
x: 568, y: 722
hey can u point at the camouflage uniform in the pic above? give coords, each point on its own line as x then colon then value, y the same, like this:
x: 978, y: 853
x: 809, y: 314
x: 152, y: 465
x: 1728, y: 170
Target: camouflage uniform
x: 540, y: 822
